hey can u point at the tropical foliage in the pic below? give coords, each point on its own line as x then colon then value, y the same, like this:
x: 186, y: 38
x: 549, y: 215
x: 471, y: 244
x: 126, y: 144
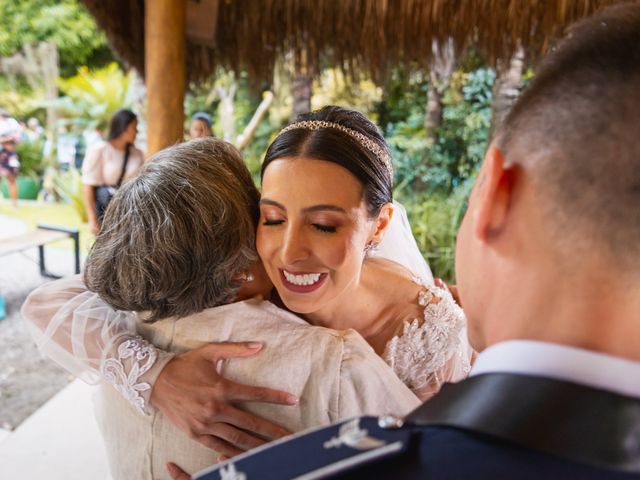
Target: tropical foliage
x: 433, y: 179
x: 68, y: 186
x: 65, y: 23
x: 32, y: 163
x: 93, y: 96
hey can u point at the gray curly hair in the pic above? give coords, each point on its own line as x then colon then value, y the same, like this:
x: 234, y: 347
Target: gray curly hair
x: 176, y: 239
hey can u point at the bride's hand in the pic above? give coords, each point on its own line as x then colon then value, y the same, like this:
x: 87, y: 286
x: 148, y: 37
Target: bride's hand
x: 452, y: 288
x: 191, y: 393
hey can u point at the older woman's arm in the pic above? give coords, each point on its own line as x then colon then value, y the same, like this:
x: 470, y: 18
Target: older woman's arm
x: 79, y: 331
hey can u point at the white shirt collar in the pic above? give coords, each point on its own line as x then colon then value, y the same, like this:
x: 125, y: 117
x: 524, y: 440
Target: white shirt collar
x: 561, y: 362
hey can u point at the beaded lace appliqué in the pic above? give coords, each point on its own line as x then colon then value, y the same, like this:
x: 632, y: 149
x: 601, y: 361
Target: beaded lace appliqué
x: 420, y: 353
x: 135, y: 358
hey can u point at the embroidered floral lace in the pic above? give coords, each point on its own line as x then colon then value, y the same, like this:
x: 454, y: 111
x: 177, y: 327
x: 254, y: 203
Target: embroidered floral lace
x: 433, y: 349
x: 135, y: 357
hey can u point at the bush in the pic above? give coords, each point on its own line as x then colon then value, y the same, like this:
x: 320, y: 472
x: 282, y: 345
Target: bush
x: 435, y: 219
x: 461, y: 138
x: 32, y: 163
x: 68, y: 186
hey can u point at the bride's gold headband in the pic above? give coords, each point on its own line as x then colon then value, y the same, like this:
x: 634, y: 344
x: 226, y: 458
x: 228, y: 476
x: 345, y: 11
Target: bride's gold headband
x: 363, y: 140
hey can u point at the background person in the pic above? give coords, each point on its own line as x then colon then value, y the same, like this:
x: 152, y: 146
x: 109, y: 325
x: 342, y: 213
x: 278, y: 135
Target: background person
x: 9, y: 126
x: 9, y: 166
x: 108, y: 164
x: 200, y: 125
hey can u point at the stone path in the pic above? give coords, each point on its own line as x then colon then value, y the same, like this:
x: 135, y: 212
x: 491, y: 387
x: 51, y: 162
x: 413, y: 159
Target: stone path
x: 26, y: 379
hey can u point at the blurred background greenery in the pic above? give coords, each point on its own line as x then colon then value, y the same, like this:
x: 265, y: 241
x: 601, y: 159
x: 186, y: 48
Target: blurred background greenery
x: 436, y: 122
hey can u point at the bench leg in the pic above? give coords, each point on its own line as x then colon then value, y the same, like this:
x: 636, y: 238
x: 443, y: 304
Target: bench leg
x: 43, y: 268
x: 76, y: 250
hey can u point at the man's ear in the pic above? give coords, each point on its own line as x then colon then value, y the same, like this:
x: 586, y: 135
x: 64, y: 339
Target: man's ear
x: 494, y: 194
x: 382, y: 222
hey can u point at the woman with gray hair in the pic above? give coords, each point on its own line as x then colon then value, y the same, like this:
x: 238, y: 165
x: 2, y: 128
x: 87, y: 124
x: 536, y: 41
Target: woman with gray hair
x: 177, y: 247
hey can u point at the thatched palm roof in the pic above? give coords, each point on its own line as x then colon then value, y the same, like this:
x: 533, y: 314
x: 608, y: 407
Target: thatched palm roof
x: 369, y: 35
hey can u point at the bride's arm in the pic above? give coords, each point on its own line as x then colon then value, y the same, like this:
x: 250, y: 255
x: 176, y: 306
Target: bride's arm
x: 84, y: 335
x: 80, y: 332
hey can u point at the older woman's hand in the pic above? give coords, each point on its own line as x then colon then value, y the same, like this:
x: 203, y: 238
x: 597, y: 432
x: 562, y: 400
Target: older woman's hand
x: 177, y: 473
x: 193, y: 395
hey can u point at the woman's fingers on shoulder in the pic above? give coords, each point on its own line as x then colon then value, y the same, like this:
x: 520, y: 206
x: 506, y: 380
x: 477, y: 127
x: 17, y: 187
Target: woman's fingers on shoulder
x: 247, y: 393
x: 221, y: 350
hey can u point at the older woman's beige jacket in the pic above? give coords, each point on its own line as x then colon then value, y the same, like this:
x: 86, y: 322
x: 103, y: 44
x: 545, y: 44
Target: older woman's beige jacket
x: 336, y: 375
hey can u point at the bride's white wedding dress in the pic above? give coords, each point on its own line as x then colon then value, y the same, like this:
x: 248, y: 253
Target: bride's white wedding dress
x: 79, y: 331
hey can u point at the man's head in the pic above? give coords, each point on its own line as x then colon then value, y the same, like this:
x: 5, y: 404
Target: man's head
x: 177, y: 238
x: 558, y: 195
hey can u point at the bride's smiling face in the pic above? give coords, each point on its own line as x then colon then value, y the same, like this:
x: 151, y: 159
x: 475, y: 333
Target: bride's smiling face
x: 313, y: 230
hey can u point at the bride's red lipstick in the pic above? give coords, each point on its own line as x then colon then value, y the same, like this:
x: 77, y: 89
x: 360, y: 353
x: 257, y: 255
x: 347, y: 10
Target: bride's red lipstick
x: 301, y: 288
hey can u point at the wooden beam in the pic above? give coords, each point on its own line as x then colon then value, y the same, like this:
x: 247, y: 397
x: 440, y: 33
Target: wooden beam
x: 165, y: 71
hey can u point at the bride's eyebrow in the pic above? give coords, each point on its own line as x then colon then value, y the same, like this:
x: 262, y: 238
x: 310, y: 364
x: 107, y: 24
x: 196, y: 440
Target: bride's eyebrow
x: 273, y: 203
x: 317, y: 208
x: 314, y: 208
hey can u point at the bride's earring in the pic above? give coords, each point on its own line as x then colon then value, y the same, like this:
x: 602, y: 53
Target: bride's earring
x: 370, y: 248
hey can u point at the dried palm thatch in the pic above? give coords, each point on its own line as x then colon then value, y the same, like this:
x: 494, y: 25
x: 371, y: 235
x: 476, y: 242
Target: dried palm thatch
x: 357, y: 35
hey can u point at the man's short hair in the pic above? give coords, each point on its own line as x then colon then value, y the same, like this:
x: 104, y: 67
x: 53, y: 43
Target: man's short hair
x: 577, y: 130
x: 176, y: 239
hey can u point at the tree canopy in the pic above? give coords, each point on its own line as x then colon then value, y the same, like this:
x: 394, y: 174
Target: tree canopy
x: 65, y: 23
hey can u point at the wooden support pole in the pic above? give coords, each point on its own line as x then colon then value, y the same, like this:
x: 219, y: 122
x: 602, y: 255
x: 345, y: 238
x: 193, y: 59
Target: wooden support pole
x: 165, y: 71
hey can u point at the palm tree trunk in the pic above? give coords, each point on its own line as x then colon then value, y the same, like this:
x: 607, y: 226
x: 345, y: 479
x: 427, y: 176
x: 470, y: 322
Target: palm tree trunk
x: 442, y: 66
x: 506, y: 89
x: 302, y: 87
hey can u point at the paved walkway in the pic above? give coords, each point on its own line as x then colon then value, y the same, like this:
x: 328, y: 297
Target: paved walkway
x: 60, y: 441
x: 59, y: 438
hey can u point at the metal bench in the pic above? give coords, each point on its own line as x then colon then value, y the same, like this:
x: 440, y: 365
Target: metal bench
x: 39, y: 237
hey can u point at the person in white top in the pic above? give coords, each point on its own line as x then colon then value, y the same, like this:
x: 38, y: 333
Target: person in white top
x: 108, y: 164
x: 548, y: 270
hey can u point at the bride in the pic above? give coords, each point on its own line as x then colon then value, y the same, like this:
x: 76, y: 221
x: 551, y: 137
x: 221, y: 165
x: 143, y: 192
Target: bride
x: 326, y: 205
x: 326, y: 202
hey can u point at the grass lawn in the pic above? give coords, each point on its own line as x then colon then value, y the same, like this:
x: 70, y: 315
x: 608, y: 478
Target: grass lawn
x: 58, y: 214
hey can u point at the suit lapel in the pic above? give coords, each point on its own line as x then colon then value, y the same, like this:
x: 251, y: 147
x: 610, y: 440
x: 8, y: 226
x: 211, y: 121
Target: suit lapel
x: 576, y: 422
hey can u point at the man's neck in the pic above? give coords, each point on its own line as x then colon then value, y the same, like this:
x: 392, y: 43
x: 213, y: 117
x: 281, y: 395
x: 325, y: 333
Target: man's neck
x: 598, y: 312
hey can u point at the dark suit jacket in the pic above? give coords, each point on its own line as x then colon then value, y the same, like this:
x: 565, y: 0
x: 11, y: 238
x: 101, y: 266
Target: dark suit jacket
x: 492, y: 426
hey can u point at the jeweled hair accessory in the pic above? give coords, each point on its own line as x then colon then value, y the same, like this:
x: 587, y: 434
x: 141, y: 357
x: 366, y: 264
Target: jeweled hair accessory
x: 365, y: 141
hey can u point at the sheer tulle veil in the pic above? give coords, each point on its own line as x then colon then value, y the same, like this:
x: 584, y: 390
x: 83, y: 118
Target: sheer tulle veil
x: 400, y: 246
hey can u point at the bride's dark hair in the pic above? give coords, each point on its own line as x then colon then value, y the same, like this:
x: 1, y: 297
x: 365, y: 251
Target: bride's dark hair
x: 335, y: 146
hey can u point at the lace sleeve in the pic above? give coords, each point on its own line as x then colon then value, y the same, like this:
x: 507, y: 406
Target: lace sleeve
x: 434, y: 349
x: 81, y: 333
